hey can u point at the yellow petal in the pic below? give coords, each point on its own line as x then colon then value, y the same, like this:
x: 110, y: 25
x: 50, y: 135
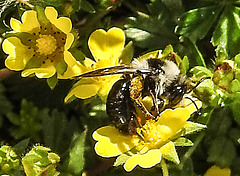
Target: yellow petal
x: 89, y: 64
x: 29, y: 22
x: 169, y: 152
x: 147, y: 160
x: 174, y: 119
x: 69, y: 41
x: 83, y: 91
x: 19, y: 54
x: 15, y: 24
x: 74, y: 67
x: 192, y: 108
x: 107, y: 45
x: 111, y: 142
x: 63, y: 23
x: 47, y: 70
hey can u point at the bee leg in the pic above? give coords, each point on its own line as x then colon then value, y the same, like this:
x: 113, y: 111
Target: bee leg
x: 143, y: 108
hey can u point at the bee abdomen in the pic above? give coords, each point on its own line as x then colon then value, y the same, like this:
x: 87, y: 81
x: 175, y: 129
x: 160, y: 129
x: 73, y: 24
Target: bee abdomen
x: 120, y: 108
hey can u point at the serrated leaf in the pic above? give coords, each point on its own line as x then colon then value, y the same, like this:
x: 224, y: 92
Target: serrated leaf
x: 191, y: 127
x: 222, y: 151
x: 58, y: 131
x: 76, y: 155
x: 169, y: 152
x: 226, y: 36
x: 153, y: 30
x: 28, y: 122
x: 181, y: 141
x: 196, y: 23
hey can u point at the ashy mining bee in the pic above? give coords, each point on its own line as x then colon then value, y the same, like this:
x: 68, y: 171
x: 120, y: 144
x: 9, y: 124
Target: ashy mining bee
x: 157, y: 78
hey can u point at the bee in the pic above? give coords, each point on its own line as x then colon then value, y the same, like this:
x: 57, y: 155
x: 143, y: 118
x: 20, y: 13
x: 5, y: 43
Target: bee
x: 157, y: 78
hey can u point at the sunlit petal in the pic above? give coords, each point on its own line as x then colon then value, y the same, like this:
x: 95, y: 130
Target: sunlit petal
x: 107, y: 45
x: 147, y: 160
x: 47, y: 70
x: 19, y: 54
x: 62, y: 23
x: 111, y: 142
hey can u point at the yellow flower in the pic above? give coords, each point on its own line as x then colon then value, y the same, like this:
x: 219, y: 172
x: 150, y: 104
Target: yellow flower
x: 154, y: 141
x: 217, y: 171
x: 39, y: 45
x: 106, y: 48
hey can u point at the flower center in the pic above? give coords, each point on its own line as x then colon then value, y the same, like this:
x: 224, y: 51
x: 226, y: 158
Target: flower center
x: 151, y: 133
x: 46, y: 44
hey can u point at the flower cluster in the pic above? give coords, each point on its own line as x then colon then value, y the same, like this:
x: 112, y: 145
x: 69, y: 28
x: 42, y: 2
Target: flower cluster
x: 39, y: 45
x: 153, y: 142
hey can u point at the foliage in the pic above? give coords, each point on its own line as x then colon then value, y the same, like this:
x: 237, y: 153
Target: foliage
x: 40, y: 134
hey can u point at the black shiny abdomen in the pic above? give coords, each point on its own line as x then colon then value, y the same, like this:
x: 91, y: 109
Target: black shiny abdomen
x: 120, y: 108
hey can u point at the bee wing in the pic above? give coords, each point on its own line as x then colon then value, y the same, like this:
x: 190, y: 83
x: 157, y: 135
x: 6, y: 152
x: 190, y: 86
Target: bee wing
x: 119, y: 69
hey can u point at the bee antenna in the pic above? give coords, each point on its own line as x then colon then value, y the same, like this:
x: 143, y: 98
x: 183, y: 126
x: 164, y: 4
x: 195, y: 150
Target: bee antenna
x: 201, y: 80
x: 193, y: 102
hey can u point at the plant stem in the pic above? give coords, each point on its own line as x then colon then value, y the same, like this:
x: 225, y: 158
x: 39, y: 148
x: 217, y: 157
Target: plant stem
x: 164, y: 168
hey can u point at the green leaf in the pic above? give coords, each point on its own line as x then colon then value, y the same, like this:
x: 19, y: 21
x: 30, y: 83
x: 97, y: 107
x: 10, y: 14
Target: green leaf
x: 184, y: 65
x: 191, y: 127
x: 235, y: 109
x: 153, y: 30
x: 226, y: 36
x: 181, y: 141
x: 220, y: 122
x: 58, y: 132
x: 52, y: 82
x: 9, y: 161
x: 196, y: 23
x: 237, y: 60
x: 21, y: 146
x: 76, y: 155
x: 169, y: 152
x: 187, y: 48
x: 40, y: 161
x: 234, y: 86
x: 28, y: 123
x: 127, y: 54
x: 200, y: 72
x: 168, y: 50
x: 61, y: 67
x: 222, y: 151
